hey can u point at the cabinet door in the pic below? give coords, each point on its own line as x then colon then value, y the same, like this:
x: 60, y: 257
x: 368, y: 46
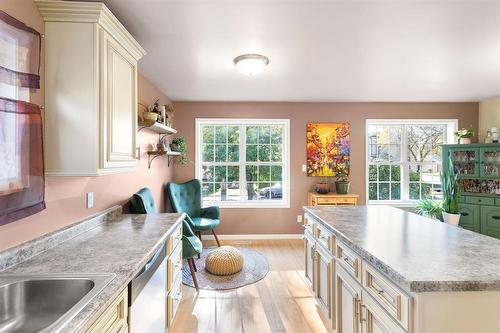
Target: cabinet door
x: 375, y: 319
x: 466, y: 161
x: 348, y: 295
x: 323, y: 270
x: 470, y: 218
x: 309, y: 257
x: 490, y: 221
x: 490, y: 162
x: 118, y: 96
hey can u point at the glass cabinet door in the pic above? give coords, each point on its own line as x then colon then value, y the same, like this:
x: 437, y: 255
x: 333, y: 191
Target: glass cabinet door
x: 466, y: 161
x: 490, y: 162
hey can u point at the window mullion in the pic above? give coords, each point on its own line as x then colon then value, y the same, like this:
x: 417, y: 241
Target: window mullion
x: 242, y: 161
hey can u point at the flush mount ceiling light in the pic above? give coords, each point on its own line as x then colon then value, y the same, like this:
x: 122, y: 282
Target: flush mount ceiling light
x: 251, y: 64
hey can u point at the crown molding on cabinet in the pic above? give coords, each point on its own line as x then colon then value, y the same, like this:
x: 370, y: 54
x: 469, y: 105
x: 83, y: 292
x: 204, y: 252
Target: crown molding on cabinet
x: 89, y: 12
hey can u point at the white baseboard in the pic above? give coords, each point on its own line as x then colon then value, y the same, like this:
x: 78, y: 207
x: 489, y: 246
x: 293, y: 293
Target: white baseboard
x: 252, y: 236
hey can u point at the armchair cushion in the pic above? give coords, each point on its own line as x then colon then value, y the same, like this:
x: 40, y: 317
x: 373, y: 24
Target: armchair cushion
x: 212, y: 212
x: 143, y: 202
x: 191, y: 246
x: 202, y: 224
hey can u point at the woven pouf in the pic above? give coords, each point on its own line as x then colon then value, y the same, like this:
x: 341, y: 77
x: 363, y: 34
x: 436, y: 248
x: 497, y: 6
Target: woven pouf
x: 224, y: 260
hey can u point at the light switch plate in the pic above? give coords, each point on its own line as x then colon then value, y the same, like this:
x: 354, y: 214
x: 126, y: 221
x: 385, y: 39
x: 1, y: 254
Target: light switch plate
x: 304, y: 168
x: 299, y: 218
x: 90, y: 199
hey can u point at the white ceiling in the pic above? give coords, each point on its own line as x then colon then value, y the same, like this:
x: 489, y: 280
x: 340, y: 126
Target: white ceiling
x: 337, y: 50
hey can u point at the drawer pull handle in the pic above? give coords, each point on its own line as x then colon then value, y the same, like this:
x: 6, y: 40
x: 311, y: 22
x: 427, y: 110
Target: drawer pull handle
x: 479, y: 200
x: 496, y: 217
x: 464, y: 214
x: 379, y: 291
x: 346, y: 259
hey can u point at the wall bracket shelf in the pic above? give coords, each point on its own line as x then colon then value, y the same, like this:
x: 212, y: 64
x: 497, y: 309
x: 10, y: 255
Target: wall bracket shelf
x: 154, y: 154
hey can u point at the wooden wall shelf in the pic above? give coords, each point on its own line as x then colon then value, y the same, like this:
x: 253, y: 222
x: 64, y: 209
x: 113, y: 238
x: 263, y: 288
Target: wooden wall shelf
x: 157, y: 127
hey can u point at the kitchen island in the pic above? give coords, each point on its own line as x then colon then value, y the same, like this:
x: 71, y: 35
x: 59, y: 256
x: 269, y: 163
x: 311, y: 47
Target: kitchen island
x: 382, y: 269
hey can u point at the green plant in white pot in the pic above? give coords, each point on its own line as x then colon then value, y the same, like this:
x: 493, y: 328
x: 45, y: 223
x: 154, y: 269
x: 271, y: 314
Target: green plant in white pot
x: 451, y: 195
x: 430, y: 208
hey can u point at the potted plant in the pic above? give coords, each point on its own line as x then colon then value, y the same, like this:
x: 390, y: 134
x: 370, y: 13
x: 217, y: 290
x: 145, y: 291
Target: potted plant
x: 342, y: 183
x: 451, y: 195
x: 430, y: 208
x: 178, y: 144
x: 464, y: 135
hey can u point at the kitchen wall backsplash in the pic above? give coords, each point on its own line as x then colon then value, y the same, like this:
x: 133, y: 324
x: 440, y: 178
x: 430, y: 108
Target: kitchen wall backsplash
x: 485, y: 186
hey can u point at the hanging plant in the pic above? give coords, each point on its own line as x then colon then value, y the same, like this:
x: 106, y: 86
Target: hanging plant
x: 179, y: 145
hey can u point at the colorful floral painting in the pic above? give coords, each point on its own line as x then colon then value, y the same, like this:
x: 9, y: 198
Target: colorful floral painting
x: 328, y: 150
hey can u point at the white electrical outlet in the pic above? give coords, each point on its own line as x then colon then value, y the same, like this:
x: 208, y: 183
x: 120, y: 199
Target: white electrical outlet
x: 90, y: 199
x: 299, y: 218
x: 304, y: 168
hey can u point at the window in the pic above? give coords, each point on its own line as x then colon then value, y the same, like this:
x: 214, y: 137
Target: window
x: 243, y: 163
x: 404, y: 159
x: 11, y: 179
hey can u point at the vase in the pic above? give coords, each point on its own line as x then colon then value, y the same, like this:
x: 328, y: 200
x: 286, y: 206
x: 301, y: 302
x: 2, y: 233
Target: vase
x: 342, y: 187
x: 464, y: 141
x: 452, y: 219
x: 175, y: 147
x: 322, y: 188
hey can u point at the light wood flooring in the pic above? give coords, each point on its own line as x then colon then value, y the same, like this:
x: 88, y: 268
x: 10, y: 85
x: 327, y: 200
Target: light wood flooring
x: 281, y: 302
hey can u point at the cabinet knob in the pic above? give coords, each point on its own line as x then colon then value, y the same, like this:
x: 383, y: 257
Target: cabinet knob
x: 464, y: 214
x: 496, y: 217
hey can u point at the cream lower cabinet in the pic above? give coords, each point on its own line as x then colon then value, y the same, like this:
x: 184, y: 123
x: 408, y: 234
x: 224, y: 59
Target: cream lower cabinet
x: 348, y: 302
x: 309, y: 252
x: 323, y: 288
x: 114, y: 318
x: 90, y: 113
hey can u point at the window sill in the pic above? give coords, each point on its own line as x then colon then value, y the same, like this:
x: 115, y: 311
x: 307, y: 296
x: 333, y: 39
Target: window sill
x: 409, y: 204
x: 246, y: 205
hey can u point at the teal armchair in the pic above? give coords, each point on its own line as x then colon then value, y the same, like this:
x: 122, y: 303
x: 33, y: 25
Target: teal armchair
x: 186, y: 198
x: 143, y: 202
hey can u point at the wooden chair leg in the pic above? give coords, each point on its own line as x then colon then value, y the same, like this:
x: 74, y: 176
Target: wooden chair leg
x: 194, y: 265
x: 216, y: 238
x: 198, y: 234
x: 193, y: 272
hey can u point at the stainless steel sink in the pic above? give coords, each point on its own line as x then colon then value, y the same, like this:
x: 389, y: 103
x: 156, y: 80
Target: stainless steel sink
x: 45, y: 303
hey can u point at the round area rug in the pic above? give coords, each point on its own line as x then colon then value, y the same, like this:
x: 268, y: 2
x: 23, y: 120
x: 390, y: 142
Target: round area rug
x: 255, y: 268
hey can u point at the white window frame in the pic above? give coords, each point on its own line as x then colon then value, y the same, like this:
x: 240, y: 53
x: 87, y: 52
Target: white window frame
x: 285, y: 202
x: 451, y: 127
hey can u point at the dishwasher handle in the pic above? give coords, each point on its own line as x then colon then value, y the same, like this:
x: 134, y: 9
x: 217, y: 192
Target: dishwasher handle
x: 142, y: 278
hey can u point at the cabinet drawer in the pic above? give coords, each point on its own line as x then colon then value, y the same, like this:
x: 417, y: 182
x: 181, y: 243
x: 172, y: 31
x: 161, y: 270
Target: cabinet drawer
x: 174, y: 266
x: 174, y: 300
x: 469, y: 218
x: 480, y: 200
x: 390, y: 297
x: 114, y: 318
x: 349, y: 259
x: 174, y: 239
x: 497, y: 202
x: 325, y: 238
x: 375, y: 319
x: 309, y: 223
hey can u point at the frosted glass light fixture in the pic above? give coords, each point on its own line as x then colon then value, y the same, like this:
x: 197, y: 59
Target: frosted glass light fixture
x: 251, y: 64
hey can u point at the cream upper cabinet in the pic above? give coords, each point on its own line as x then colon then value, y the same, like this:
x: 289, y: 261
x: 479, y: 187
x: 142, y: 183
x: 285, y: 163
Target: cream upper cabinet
x: 90, y: 90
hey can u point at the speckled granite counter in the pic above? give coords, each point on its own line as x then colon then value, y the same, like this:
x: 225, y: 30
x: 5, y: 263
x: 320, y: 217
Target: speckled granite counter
x: 417, y: 253
x: 119, y: 244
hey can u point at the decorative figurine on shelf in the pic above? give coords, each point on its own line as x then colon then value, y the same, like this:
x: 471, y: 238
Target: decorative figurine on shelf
x: 170, y: 115
x: 464, y: 135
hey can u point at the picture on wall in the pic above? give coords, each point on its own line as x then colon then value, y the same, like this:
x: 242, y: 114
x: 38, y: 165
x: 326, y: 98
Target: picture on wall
x: 328, y: 149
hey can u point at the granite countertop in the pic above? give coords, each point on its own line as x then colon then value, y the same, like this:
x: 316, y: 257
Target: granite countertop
x: 120, y: 245
x: 417, y: 253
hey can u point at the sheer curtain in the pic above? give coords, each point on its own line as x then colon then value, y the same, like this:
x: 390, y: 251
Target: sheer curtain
x: 21, y: 146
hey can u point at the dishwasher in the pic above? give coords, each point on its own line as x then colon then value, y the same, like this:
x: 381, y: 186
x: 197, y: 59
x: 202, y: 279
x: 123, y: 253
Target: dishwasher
x: 147, y: 296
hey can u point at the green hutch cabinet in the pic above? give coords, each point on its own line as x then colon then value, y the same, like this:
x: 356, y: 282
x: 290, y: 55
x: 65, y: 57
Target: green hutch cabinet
x: 479, y: 168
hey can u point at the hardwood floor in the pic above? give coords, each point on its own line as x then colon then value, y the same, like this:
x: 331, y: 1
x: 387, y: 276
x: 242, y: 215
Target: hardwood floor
x: 281, y: 302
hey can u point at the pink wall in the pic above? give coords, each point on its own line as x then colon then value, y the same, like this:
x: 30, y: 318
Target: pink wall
x: 66, y: 196
x: 252, y: 221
